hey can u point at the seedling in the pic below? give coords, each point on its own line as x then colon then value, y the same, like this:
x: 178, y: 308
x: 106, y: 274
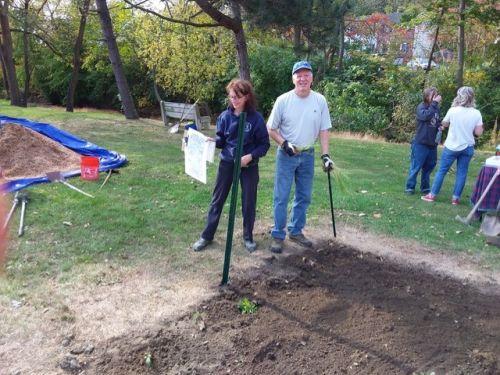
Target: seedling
x: 148, y: 360
x: 247, y: 307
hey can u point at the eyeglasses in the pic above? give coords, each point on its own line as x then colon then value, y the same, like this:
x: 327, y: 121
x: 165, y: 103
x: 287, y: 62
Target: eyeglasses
x: 234, y: 97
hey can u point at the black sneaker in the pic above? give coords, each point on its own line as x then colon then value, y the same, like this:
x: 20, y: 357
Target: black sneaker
x: 276, y: 246
x: 201, y: 244
x: 250, y: 246
x: 300, y: 239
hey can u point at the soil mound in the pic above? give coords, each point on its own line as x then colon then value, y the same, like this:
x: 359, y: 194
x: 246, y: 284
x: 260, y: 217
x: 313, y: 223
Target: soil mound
x: 329, y: 310
x: 26, y: 153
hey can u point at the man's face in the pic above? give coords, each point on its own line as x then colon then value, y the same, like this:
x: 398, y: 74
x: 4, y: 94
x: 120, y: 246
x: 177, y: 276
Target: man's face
x: 302, y: 79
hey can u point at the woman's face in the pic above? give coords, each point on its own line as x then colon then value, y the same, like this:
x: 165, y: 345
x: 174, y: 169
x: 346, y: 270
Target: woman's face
x: 238, y: 102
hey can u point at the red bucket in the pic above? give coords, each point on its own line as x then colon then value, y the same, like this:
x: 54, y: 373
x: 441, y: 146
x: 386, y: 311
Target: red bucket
x: 89, y: 168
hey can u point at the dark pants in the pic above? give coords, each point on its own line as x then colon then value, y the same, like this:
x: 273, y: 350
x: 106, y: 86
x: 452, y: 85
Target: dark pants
x: 249, y: 179
x: 423, y: 158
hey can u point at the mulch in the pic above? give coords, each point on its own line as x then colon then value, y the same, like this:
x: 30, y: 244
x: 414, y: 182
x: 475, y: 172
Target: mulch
x: 25, y: 153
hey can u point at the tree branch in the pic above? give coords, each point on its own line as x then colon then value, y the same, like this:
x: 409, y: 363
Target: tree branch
x: 170, y: 19
x: 45, y: 41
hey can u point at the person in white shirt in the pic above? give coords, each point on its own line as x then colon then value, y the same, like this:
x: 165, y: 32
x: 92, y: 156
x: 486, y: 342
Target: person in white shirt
x: 298, y: 118
x: 464, y: 121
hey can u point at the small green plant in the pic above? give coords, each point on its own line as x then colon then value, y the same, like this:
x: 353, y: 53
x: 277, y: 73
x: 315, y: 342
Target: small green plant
x: 247, y: 307
x: 148, y: 359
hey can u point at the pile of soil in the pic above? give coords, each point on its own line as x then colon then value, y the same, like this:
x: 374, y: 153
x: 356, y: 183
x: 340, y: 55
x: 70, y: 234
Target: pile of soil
x: 26, y: 153
x: 328, y: 310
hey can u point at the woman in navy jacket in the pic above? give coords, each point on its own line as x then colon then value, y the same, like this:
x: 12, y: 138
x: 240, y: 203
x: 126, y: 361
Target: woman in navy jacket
x: 424, y: 145
x: 255, y: 146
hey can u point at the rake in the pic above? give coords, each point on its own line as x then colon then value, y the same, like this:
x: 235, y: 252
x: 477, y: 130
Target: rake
x: 58, y: 177
x: 469, y: 217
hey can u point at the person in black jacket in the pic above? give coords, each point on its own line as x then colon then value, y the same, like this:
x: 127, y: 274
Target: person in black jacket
x: 424, y: 145
x: 255, y: 145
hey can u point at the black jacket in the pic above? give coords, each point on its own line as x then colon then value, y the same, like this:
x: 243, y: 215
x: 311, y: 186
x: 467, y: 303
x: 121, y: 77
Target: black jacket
x: 428, y: 123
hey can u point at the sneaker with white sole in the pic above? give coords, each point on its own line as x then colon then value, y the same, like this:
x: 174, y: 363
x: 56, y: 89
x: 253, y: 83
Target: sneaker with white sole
x: 428, y: 198
x: 300, y: 239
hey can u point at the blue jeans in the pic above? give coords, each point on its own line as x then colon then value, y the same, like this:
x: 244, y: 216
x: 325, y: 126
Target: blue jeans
x: 423, y: 158
x: 463, y: 159
x: 289, y: 169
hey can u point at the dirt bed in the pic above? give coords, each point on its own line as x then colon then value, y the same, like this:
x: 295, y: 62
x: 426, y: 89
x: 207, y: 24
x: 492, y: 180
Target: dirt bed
x: 331, y: 310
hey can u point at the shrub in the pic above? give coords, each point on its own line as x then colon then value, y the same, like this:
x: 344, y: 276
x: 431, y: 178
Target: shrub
x: 271, y: 70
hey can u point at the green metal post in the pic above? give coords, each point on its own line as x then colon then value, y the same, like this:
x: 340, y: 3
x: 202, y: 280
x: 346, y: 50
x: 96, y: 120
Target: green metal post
x: 234, y: 198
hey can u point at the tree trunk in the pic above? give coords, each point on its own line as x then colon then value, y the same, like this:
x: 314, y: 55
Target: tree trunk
x: 27, y: 71
x: 235, y: 25
x: 461, y: 45
x: 434, y: 44
x: 4, y: 73
x: 70, y: 96
x: 10, y: 68
x: 297, y: 45
x: 241, y: 44
x: 116, y: 63
x: 340, y: 62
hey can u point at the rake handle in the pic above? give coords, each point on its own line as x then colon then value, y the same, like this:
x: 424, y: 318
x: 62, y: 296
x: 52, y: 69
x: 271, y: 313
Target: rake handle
x: 481, y: 198
x: 331, y: 204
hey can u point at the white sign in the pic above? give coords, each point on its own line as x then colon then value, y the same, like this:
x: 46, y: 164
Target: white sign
x: 198, y: 151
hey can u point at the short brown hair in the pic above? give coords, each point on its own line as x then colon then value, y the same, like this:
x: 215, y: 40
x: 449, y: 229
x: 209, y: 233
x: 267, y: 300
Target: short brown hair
x: 242, y: 87
x: 429, y: 94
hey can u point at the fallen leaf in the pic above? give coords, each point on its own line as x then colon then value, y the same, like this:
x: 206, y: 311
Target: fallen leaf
x: 362, y: 214
x: 458, y: 231
x: 377, y: 216
x: 67, y: 223
x: 364, y: 191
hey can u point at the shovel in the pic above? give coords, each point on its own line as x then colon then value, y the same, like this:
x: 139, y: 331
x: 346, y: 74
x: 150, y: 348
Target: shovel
x: 469, y: 217
x: 58, y: 177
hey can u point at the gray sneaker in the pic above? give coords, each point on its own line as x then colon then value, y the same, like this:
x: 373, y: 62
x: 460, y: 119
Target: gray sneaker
x: 250, y: 246
x: 201, y: 244
x: 276, y: 246
x: 300, y: 239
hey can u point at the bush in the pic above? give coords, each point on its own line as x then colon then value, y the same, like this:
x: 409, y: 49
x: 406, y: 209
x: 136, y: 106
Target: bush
x: 271, y: 70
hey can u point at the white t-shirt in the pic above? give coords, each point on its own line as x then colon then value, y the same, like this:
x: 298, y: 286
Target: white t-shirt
x: 299, y: 120
x: 462, y: 122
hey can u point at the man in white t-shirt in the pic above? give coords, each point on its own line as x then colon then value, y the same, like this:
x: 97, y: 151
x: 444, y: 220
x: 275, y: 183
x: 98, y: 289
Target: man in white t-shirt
x: 297, y: 119
x: 464, y: 121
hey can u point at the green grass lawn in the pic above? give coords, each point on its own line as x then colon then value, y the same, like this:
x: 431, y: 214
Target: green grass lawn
x: 151, y: 210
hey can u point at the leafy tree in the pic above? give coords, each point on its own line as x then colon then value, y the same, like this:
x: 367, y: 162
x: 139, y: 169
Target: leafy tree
x: 192, y: 63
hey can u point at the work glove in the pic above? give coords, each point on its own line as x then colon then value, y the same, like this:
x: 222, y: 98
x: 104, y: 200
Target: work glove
x: 327, y: 163
x: 288, y: 148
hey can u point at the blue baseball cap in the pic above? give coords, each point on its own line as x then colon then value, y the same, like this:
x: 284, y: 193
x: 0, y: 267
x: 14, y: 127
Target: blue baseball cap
x: 301, y: 65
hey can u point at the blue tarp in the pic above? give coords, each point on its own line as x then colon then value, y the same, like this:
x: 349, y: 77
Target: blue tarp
x: 107, y: 159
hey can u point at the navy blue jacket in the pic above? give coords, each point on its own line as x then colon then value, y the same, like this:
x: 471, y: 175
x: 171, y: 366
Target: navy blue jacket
x: 427, y: 123
x: 255, y: 135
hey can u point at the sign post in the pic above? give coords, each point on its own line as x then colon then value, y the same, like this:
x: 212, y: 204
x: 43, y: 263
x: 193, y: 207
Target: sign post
x: 234, y: 198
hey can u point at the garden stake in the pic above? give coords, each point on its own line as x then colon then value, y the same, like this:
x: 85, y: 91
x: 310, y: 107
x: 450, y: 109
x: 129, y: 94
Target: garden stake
x: 331, y: 204
x: 106, y: 179
x: 234, y: 198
